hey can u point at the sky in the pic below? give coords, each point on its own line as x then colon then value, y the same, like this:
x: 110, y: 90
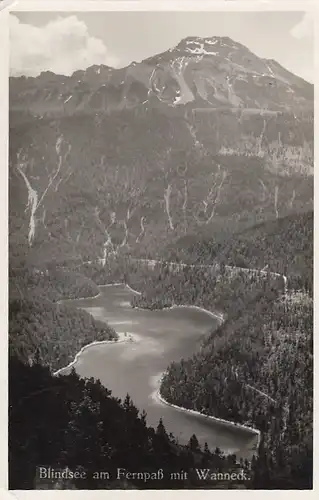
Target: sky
x: 65, y: 42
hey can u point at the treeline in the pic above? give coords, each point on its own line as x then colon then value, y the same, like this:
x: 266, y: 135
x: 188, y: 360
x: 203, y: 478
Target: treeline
x: 67, y: 421
x: 52, y: 334
x: 217, y: 289
x: 50, y: 281
x: 284, y: 245
x: 257, y: 369
x: 116, y: 269
x: 42, y: 329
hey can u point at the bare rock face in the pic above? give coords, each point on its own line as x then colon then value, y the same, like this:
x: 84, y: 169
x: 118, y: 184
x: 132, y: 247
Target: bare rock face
x: 207, y: 72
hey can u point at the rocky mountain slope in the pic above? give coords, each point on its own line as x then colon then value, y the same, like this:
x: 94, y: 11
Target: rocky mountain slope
x: 205, y: 137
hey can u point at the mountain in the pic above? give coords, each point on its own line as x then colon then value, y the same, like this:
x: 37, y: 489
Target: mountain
x: 205, y: 137
x: 209, y: 73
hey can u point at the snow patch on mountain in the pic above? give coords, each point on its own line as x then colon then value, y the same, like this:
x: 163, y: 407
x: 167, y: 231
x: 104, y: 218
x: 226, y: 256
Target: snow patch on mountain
x: 200, y: 49
x: 178, y: 68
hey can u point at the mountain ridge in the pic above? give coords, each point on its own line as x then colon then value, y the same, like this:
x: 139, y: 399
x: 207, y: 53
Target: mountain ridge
x: 171, y: 49
x: 111, y: 160
x: 188, y: 72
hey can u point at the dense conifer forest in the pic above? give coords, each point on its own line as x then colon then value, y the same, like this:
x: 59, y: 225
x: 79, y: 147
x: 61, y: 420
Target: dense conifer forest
x: 284, y: 245
x: 40, y: 327
x: 255, y: 369
x: 66, y: 421
x: 51, y: 281
x: 217, y: 290
x: 53, y: 333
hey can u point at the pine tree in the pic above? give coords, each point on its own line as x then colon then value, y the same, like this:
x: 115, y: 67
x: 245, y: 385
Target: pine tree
x: 143, y: 417
x: 160, y: 430
x: 194, y: 444
x: 127, y: 403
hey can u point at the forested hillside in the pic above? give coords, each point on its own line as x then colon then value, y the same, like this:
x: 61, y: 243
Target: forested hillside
x: 42, y: 329
x: 52, y: 334
x: 50, y: 282
x: 217, y: 290
x: 66, y: 421
x: 257, y: 369
x: 284, y: 245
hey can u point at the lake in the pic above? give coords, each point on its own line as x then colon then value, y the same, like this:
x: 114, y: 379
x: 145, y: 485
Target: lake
x: 160, y: 337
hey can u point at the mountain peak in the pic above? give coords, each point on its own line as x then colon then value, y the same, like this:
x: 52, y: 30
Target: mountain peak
x: 205, y: 45
x: 214, y: 39
x: 203, y: 72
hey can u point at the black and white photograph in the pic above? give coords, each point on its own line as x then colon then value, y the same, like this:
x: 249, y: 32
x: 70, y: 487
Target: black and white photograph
x: 160, y: 275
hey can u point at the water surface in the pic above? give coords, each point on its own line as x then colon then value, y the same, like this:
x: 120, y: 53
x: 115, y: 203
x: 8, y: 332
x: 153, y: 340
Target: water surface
x: 160, y: 337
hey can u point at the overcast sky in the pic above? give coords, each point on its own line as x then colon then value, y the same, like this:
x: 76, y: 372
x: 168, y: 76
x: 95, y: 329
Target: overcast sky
x: 65, y: 42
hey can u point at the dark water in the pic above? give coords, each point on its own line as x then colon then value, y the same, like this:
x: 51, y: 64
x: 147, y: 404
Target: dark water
x: 135, y: 367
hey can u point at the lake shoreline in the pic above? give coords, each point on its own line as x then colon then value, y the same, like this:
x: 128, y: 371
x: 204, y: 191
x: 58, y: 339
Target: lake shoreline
x: 129, y: 337
x: 89, y: 297
x: 217, y: 316
x: 228, y: 423
x: 157, y: 395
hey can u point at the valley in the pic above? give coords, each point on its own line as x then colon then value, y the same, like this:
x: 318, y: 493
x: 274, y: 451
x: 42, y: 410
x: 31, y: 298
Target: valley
x: 161, y: 267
